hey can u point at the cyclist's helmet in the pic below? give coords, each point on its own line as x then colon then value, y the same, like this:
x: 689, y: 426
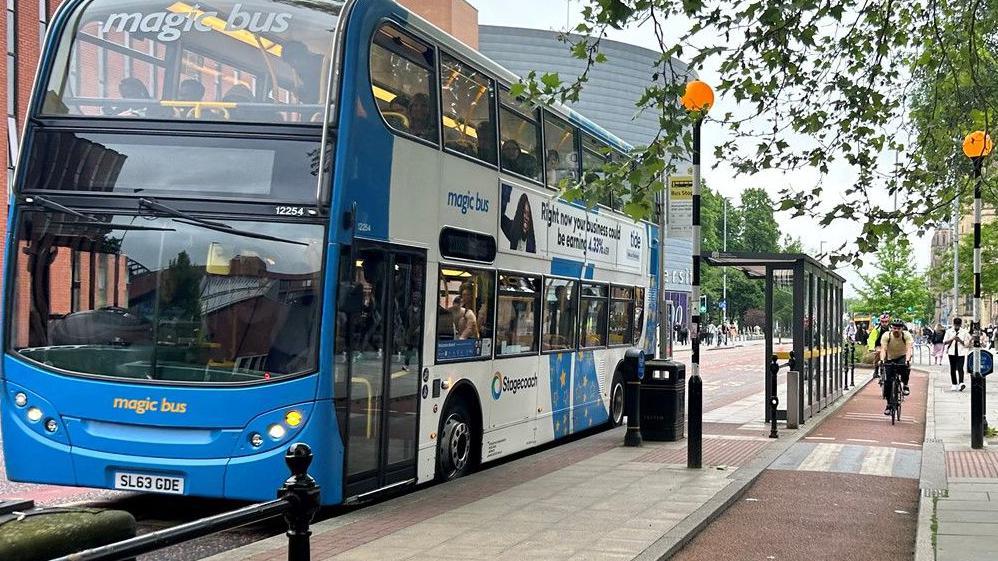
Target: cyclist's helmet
x: 885, y: 317
x: 897, y: 323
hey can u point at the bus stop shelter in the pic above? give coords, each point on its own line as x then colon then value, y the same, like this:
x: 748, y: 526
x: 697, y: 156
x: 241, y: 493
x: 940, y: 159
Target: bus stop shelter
x: 817, y: 329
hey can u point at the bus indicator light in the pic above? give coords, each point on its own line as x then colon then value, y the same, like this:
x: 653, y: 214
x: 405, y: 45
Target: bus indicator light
x: 293, y: 418
x: 256, y: 440
x: 20, y: 399
x: 34, y: 414
x: 50, y: 425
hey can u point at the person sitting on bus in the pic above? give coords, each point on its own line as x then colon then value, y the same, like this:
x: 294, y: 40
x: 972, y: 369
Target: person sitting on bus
x: 397, y: 114
x: 132, y: 89
x: 190, y: 89
x: 485, y: 136
x: 510, y: 157
x: 241, y: 94
x: 421, y: 121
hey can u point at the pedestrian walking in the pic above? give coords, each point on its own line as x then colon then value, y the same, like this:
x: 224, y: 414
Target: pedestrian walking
x: 957, y: 342
x: 937, y: 338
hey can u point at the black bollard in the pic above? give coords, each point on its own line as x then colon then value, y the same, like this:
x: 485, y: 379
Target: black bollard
x: 632, y: 401
x: 976, y: 410
x: 694, y: 409
x: 302, y: 494
x: 633, y: 373
x: 774, y: 400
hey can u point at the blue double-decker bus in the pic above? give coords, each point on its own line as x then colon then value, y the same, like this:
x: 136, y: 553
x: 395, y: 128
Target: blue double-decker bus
x: 240, y: 224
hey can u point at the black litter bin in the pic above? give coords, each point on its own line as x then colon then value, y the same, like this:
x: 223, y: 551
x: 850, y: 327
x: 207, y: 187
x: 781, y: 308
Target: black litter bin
x: 663, y: 400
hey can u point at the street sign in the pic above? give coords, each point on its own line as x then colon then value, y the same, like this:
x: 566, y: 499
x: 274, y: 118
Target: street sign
x: 679, y: 211
x: 723, y: 305
x: 987, y: 362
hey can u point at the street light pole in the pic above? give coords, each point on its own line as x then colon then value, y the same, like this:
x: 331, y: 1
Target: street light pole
x: 697, y: 99
x: 976, y: 146
x: 724, y: 247
x: 955, y: 242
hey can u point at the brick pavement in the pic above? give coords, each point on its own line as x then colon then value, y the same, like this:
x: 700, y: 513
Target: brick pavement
x: 958, y: 512
x: 587, y: 499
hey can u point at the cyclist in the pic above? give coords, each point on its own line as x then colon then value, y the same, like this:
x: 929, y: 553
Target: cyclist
x: 895, y: 349
x: 873, y: 341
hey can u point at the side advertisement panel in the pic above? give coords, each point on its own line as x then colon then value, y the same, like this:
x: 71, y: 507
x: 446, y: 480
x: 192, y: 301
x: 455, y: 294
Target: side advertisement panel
x: 531, y: 223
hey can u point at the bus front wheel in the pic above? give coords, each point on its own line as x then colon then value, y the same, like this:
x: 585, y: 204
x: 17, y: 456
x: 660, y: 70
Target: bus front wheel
x: 455, y: 448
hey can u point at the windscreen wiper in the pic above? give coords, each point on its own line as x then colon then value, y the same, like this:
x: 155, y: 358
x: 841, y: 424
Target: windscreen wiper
x: 185, y: 218
x: 88, y: 219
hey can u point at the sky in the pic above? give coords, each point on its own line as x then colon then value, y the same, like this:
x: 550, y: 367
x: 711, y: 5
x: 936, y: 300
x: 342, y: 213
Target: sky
x: 560, y: 15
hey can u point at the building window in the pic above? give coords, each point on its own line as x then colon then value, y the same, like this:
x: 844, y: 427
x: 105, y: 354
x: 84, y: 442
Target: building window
x: 402, y: 81
x: 561, y: 162
x: 592, y: 315
x: 464, y: 314
x: 560, y: 298
x: 516, y: 314
x: 621, y: 314
x: 468, y: 100
x: 520, y: 131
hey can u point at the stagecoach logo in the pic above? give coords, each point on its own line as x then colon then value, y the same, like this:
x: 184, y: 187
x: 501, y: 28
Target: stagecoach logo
x: 140, y: 406
x: 181, y: 17
x: 502, y: 384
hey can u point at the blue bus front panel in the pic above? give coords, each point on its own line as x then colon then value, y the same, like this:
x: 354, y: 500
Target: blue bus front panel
x: 203, y: 435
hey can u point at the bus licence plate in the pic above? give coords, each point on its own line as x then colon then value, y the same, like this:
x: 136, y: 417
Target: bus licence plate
x: 149, y: 483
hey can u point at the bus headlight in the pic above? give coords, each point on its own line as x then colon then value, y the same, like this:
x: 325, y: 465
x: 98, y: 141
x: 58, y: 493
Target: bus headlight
x: 34, y: 414
x: 256, y: 440
x: 20, y: 399
x: 276, y: 431
x: 51, y: 425
x: 293, y: 418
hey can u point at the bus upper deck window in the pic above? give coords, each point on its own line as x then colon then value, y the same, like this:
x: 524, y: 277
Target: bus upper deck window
x: 242, y: 61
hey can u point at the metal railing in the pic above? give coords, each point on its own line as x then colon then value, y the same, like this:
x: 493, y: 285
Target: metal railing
x: 298, y: 501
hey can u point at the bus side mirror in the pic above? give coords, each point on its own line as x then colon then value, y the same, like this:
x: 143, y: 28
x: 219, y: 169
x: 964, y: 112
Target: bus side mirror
x: 350, y: 299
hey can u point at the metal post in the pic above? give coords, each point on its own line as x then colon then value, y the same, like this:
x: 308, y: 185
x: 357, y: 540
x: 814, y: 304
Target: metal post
x: 977, y: 387
x: 694, y: 443
x: 774, y: 400
x: 955, y: 242
x: 664, y: 314
x: 768, y: 328
x: 303, y: 494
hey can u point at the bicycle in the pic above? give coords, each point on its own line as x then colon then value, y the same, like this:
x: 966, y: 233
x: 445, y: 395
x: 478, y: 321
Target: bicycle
x: 895, y: 393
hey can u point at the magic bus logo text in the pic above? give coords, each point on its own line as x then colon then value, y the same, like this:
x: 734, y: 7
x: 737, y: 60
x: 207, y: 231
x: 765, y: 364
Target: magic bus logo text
x: 502, y: 384
x: 169, y: 25
x: 140, y: 406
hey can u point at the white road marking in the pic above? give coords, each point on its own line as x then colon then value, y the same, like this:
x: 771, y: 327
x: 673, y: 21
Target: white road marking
x: 879, y: 461
x: 819, y: 437
x: 861, y: 440
x: 907, y: 444
x: 821, y: 458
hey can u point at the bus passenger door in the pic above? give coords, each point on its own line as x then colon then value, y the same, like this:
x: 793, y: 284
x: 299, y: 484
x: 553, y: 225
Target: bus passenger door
x: 385, y: 339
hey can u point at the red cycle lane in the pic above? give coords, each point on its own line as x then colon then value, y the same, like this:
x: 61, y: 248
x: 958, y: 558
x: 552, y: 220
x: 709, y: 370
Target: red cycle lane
x: 849, y: 490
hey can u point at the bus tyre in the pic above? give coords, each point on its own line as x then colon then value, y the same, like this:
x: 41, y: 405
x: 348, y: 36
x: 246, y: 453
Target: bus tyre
x: 616, y: 400
x: 455, y: 448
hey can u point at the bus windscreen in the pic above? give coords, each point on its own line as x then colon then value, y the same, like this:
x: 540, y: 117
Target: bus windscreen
x: 254, y: 61
x: 166, y: 299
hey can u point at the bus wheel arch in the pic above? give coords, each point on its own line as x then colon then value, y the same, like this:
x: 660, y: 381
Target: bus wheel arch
x: 459, y: 444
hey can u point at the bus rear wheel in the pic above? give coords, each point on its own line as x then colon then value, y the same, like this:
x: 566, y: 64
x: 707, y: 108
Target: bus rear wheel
x: 616, y: 400
x: 456, y: 445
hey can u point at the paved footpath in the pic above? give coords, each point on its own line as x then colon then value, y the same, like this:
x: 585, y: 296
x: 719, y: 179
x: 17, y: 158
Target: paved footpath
x: 958, y: 511
x: 847, y: 490
x: 588, y: 499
